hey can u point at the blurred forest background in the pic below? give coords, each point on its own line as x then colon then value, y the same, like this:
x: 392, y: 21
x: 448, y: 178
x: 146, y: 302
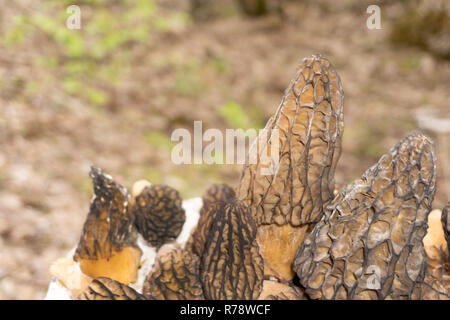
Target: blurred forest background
x: 111, y: 94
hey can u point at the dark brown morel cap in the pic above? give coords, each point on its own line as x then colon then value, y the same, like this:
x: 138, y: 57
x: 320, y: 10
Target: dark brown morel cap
x: 197, y: 240
x: 231, y: 266
x: 213, y: 198
x: 369, y: 243
x: 445, y: 218
x: 291, y: 178
x: 107, y: 289
x: 159, y: 214
x: 107, y: 244
x: 175, y: 276
x: 217, y: 193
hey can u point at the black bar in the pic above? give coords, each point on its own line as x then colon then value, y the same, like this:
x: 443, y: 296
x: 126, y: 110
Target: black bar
x: 170, y: 310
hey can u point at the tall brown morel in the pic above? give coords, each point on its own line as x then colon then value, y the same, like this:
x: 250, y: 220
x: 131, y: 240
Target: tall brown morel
x: 292, y: 177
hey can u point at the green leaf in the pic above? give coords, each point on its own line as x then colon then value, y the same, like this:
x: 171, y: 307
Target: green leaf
x: 72, y: 86
x: 234, y: 115
x: 158, y: 139
x: 96, y: 96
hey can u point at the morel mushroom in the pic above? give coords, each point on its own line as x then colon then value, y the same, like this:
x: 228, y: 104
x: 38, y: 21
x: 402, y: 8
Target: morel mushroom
x: 231, y: 266
x: 159, y: 214
x: 107, y: 289
x: 175, y: 276
x: 445, y: 218
x: 217, y: 193
x: 107, y: 247
x: 369, y: 243
x: 197, y: 241
x: 287, y: 193
x: 213, y: 198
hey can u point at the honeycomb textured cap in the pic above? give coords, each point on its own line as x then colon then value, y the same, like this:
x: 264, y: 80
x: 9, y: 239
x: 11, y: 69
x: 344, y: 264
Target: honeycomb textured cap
x: 291, y: 178
x: 109, y: 224
x: 445, y: 218
x: 217, y: 193
x: 369, y: 243
x: 175, y: 276
x: 107, y: 289
x: 159, y: 214
x: 197, y: 241
x: 231, y: 266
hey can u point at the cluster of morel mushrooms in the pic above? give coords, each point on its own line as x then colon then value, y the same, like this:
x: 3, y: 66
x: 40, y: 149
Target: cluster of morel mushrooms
x: 286, y: 235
